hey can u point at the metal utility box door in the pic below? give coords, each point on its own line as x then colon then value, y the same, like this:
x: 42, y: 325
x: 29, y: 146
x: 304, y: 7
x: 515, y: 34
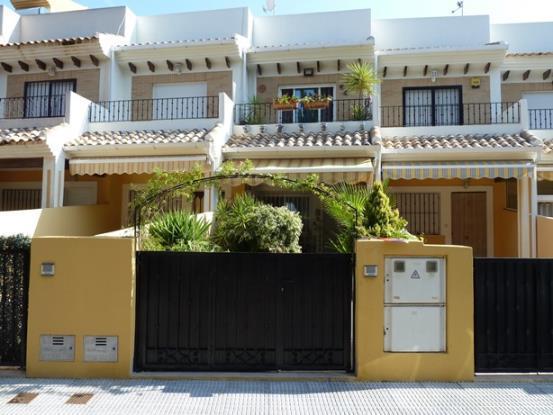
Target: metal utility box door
x: 415, y: 280
x: 414, y: 328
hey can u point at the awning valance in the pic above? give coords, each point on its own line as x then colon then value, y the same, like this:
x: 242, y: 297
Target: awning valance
x: 134, y: 165
x: 457, y: 170
x: 330, y: 170
x: 545, y: 173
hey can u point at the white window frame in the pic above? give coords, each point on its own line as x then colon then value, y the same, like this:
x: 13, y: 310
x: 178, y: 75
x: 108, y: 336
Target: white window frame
x: 295, y: 114
x: 445, y: 207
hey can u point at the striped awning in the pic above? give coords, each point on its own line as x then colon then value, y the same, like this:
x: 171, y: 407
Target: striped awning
x: 457, y: 170
x: 134, y: 165
x: 330, y: 170
x: 545, y: 172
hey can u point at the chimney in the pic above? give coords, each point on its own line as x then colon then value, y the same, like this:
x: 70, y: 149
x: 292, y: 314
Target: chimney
x: 41, y: 6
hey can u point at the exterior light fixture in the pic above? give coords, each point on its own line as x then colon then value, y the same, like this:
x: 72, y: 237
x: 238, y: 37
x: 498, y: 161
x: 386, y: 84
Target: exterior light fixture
x: 434, y: 75
x: 308, y: 72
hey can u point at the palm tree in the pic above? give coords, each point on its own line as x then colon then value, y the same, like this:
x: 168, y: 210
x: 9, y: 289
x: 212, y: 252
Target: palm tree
x: 360, y: 80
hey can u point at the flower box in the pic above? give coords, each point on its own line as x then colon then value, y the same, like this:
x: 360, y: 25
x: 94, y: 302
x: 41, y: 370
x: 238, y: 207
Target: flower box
x: 316, y: 105
x: 284, y: 107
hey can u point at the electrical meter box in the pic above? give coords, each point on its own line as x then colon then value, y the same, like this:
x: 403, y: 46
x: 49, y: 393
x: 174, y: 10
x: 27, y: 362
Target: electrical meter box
x: 57, y: 348
x: 100, y: 348
x: 414, y: 280
x: 414, y: 329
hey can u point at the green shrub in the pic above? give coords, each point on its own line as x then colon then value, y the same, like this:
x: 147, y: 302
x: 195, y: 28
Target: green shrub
x: 247, y: 225
x: 14, y: 242
x: 178, y: 231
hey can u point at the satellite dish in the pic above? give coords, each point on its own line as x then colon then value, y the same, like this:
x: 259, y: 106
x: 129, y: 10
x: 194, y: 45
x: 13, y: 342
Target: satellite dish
x: 269, y: 6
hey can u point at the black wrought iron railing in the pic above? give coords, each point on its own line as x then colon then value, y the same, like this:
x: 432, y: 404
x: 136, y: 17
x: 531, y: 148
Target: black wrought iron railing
x: 337, y: 110
x: 181, y: 108
x: 541, y: 119
x: 32, y: 107
x: 450, y: 114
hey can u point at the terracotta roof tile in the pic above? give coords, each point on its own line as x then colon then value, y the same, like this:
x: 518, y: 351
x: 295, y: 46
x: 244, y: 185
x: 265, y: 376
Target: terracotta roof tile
x: 316, y: 139
x: 99, y: 138
x: 472, y: 141
x: 22, y: 135
x: 62, y: 41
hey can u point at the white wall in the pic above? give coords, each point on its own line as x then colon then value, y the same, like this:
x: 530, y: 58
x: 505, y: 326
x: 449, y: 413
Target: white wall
x: 9, y: 25
x: 192, y: 26
x: 525, y: 37
x: 353, y: 26
x: 451, y: 31
x: 71, y: 24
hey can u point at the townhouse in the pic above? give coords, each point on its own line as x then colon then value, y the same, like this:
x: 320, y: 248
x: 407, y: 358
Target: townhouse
x: 461, y: 122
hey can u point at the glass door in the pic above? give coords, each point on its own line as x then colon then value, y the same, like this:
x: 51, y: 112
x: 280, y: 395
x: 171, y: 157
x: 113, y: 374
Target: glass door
x: 305, y: 116
x: 424, y: 107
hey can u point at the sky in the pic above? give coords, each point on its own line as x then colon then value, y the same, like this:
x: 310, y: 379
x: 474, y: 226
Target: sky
x: 501, y: 11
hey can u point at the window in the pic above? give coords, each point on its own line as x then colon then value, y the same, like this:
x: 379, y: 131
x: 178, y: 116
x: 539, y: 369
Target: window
x: 511, y: 194
x: 432, y: 106
x: 421, y: 210
x: 305, y: 116
x: 20, y: 199
x: 47, y: 98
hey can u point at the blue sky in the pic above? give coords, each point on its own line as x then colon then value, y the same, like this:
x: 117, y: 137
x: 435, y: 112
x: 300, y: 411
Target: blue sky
x: 500, y: 10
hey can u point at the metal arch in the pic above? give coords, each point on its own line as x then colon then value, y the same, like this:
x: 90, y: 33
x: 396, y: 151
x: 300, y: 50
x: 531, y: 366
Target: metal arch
x: 137, y: 213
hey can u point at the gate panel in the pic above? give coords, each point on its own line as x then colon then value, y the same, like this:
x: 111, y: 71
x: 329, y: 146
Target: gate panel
x: 14, y: 291
x: 232, y: 311
x: 513, y: 315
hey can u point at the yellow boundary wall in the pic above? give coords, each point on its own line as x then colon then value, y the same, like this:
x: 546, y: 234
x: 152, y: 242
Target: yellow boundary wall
x: 372, y: 363
x: 91, y: 294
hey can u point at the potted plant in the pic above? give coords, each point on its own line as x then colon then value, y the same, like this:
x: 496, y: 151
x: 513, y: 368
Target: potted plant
x: 360, y: 80
x: 285, y: 102
x: 316, y: 102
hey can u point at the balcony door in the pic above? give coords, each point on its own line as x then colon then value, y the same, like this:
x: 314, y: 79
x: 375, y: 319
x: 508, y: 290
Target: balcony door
x: 423, y: 107
x: 178, y: 101
x: 47, y: 98
x: 305, y: 116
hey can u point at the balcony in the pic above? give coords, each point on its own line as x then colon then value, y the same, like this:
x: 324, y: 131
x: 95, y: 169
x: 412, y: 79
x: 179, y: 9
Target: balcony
x: 541, y: 119
x: 50, y: 106
x: 339, y: 110
x: 159, y: 109
x: 450, y: 114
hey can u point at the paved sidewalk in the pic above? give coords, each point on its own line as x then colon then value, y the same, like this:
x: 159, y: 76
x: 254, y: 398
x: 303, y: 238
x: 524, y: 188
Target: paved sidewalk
x: 137, y: 397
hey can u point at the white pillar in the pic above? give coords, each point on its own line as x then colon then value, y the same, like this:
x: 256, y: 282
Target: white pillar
x: 524, y: 242
x: 495, y: 93
x: 48, y: 167
x: 534, y: 212
x: 211, y: 197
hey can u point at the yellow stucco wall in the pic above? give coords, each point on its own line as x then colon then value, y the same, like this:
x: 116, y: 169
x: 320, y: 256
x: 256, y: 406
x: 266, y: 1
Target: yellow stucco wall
x: 545, y: 237
x: 372, y: 363
x: 75, y: 221
x: 505, y: 224
x: 92, y: 293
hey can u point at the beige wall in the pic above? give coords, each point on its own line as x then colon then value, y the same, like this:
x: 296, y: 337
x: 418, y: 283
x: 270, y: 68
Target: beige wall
x: 142, y: 86
x: 392, y: 89
x: 513, y: 92
x: 91, y: 294
x: 545, y: 237
x: 372, y: 363
x: 88, y: 82
x: 268, y: 87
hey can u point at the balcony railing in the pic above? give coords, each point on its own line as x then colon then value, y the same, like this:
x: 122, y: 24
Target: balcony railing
x: 32, y: 107
x: 338, y: 110
x: 185, y: 108
x: 541, y: 119
x: 450, y: 114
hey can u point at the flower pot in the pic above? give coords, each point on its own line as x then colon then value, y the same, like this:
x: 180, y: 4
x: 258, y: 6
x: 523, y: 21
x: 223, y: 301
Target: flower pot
x: 284, y: 107
x: 316, y: 105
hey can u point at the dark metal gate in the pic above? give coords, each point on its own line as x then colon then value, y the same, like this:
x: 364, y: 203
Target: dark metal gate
x: 513, y: 315
x: 246, y: 312
x: 14, y: 289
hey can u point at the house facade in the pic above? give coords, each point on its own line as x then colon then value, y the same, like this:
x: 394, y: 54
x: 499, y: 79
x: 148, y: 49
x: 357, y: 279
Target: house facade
x: 93, y: 101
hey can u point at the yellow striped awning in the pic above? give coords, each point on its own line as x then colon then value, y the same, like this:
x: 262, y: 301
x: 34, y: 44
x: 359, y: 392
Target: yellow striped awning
x: 545, y: 173
x: 134, y: 165
x: 330, y: 170
x: 457, y: 170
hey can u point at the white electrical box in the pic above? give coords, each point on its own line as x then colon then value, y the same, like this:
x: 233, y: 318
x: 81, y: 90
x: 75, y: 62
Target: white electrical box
x: 100, y: 348
x: 415, y: 280
x: 414, y: 329
x: 57, y: 348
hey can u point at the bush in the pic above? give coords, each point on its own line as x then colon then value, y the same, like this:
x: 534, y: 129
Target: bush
x: 14, y: 242
x: 179, y: 231
x: 247, y: 225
